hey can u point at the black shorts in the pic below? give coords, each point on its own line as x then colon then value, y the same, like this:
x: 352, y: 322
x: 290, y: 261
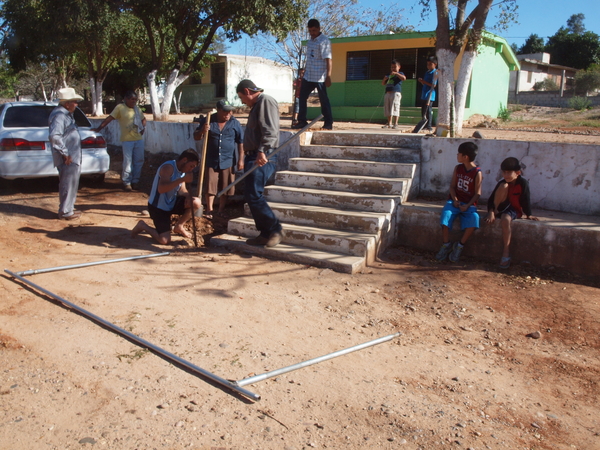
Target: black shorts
x: 508, y: 209
x: 162, y: 218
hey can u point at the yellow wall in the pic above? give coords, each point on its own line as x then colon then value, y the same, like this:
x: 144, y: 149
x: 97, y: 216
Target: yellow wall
x: 339, y: 51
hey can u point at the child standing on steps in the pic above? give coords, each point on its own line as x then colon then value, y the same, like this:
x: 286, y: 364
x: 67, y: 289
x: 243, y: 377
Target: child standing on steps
x: 465, y: 190
x: 509, y: 201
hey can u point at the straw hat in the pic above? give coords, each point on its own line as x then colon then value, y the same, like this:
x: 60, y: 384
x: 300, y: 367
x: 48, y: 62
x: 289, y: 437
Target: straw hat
x: 66, y: 94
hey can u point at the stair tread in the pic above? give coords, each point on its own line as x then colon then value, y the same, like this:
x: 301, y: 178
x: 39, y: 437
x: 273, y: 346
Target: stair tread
x: 295, y: 253
x: 344, y: 176
x: 361, y: 161
x: 359, y: 147
x: 329, y: 192
x: 325, y: 209
x: 314, y: 230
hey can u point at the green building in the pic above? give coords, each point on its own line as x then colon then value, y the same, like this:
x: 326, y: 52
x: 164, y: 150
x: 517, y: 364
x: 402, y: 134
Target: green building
x: 360, y: 63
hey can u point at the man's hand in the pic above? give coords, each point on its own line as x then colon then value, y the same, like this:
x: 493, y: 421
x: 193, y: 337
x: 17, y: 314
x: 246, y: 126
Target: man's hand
x: 240, y: 166
x: 328, y: 81
x: 189, y: 177
x: 261, y: 159
x: 464, y: 207
x: 531, y: 218
x: 68, y: 160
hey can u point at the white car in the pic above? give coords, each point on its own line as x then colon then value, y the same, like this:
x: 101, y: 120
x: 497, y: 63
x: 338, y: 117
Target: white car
x: 25, y: 150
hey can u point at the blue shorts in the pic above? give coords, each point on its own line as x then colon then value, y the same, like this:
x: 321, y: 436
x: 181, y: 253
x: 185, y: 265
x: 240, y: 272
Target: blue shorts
x: 508, y: 209
x: 468, y: 219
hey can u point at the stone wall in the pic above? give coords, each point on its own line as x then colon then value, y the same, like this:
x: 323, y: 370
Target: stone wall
x: 551, y: 99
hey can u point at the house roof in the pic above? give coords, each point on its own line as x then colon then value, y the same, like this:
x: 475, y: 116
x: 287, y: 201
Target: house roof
x: 554, y: 66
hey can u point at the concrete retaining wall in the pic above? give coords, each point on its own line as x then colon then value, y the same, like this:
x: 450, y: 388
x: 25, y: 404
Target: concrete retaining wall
x: 176, y: 137
x: 539, y: 243
x: 551, y: 99
x: 562, y: 177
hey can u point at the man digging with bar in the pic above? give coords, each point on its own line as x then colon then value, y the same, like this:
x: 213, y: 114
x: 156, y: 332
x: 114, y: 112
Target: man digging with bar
x: 169, y: 196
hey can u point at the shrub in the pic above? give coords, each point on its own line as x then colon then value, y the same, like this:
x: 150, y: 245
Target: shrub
x: 504, y: 113
x: 546, y: 85
x: 580, y: 103
x: 587, y: 80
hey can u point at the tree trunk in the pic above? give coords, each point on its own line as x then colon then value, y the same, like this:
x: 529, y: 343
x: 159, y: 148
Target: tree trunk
x: 462, y: 86
x: 446, y: 59
x: 151, y: 78
x: 92, y: 83
x: 173, y: 82
x: 98, y: 102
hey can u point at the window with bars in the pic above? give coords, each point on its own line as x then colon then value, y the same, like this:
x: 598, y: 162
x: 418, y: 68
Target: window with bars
x: 374, y: 64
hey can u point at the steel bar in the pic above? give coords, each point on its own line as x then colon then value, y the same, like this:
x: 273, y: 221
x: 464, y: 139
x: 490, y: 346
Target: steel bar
x: 310, y: 362
x: 270, y: 155
x: 140, y: 341
x: 76, y: 266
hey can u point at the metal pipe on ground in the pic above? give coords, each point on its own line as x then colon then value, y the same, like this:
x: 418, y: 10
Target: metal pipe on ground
x: 270, y: 155
x: 96, y: 263
x: 140, y: 341
x: 310, y: 362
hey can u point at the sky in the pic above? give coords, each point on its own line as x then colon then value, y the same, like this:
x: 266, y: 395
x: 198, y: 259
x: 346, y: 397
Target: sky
x: 541, y: 17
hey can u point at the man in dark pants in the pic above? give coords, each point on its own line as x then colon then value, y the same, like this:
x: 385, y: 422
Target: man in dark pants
x: 317, y: 75
x: 261, y: 137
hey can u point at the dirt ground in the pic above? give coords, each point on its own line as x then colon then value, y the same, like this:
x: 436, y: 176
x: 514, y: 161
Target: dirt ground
x: 486, y: 359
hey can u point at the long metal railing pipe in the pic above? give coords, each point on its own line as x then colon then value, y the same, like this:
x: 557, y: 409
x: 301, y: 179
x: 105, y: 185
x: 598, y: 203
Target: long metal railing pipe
x: 96, y: 263
x: 270, y: 155
x: 310, y: 362
x: 140, y: 341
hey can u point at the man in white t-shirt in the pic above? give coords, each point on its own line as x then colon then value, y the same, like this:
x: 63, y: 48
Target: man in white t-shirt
x: 317, y: 75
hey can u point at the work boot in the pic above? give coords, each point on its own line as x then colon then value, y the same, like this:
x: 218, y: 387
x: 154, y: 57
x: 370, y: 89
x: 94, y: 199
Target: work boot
x: 257, y: 241
x: 274, y: 238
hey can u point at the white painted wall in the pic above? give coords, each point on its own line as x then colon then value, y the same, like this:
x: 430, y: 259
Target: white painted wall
x: 562, y: 177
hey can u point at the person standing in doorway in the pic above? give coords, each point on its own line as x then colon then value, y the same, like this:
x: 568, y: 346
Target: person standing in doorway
x: 317, y: 75
x: 393, y: 94
x: 66, y: 151
x: 133, y: 125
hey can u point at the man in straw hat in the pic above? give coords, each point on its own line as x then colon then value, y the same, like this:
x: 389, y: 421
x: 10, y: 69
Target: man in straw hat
x: 261, y: 137
x: 66, y: 151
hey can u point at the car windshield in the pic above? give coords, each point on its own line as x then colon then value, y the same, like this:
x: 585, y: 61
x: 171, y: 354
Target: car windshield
x: 28, y: 116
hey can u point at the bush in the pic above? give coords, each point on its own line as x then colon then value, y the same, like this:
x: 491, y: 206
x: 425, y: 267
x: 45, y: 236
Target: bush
x: 546, y: 85
x: 587, y: 80
x: 504, y: 113
x: 580, y: 103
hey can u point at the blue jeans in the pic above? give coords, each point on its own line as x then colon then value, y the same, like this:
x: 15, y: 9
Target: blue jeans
x: 133, y: 160
x: 264, y: 218
x: 305, y: 90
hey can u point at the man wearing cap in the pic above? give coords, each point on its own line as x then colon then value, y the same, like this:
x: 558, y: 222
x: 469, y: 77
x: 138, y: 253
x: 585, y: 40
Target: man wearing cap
x: 317, y: 75
x: 224, y: 136
x: 261, y: 137
x: 66, y: 151
x: 133, y: 124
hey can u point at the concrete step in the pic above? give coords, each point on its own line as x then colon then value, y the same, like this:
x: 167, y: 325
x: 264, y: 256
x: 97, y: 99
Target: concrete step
x: 333, y: 218
x: 346, y: 183
x: 353, y: 167
x: 293, y: 253
x: 361, y: 153
x: 361, y: 139
x: 323, y: 239
x: 353, y: 201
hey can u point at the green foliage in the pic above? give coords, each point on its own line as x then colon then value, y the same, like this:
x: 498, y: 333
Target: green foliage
x: 8, y: 78
x: 580, y: 103
x: 546, y: 85
x: 504, y: 113
x: 587, y: 80
x: 573, y: 46
x: 533, y: 44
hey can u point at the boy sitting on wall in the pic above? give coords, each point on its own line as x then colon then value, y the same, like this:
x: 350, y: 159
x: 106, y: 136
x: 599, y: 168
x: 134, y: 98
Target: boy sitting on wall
x: 465, y: 190
x: 509, y: 201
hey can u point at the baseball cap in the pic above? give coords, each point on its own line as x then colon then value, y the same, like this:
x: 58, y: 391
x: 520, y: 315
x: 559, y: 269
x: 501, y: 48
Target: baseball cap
x: 510, y: 163
x: 247, y: 84
x: 224, y: 105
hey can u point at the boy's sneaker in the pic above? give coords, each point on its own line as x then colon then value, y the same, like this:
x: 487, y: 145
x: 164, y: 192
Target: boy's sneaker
x: 444, y: 251
x: 456, y: 251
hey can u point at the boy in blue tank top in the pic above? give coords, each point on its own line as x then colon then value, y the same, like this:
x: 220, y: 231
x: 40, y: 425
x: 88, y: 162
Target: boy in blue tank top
x: 169, y: 196
x: 465, y: 190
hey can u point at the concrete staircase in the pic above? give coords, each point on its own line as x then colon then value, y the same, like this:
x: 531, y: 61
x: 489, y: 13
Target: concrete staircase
x: 338, y: 201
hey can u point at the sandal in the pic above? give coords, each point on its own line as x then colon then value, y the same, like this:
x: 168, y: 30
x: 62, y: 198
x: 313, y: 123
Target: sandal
x: 208, y: 215
x: 505, y: 262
